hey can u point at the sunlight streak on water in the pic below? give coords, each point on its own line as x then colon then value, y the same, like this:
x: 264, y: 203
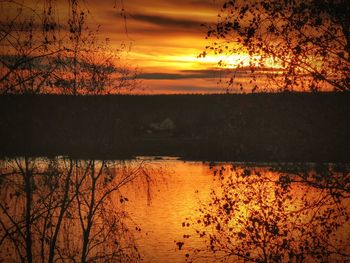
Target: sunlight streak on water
x: 237, y: 210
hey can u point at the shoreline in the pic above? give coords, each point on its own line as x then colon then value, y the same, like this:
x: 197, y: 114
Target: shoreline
x: 278, y: 127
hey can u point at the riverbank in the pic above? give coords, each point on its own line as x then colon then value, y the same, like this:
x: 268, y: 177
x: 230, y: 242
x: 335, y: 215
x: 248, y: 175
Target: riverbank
x: 288, y: 127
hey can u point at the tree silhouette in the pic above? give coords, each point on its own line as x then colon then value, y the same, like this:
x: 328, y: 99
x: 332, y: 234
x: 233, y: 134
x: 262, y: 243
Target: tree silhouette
x: 88, y: 65
x: 28, y: 42
x: 307, y: 43
x: 62, y: 209
x: 256, y: 216
x: 43, y: 54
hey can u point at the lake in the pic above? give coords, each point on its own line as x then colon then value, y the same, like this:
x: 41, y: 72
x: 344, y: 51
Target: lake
x: 164, y: 209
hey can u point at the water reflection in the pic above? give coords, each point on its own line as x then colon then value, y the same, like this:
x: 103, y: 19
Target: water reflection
x: 276, y: 214
x: 62, y: 209
x: 175, y: 196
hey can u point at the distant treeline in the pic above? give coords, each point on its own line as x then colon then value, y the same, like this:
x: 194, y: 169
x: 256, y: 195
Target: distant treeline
x: 256, y: 127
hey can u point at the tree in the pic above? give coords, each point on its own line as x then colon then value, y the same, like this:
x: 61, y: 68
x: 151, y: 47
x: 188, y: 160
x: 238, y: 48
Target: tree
x: 258, y: 216
x: 88, y: 65
x: 61, y: 209
x: 28, y: 43
x: 298, y: 45
x: 43, y: 54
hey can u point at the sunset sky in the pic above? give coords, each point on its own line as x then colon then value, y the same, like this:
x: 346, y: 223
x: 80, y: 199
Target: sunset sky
x: 164, y: 38
x: 162, y: 41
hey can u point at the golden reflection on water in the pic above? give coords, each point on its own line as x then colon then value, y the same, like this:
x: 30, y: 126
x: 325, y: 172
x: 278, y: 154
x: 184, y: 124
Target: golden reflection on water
x: 176, y: 191
x: 261, y: 215
x: 174, y: 210
x: 296, y: 215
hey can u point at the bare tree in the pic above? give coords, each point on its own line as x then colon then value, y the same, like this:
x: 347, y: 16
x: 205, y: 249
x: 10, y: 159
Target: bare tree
x: 256, y: 216
x: 28, y: 42
x: 94, y: 205
x: 61, y: 209
x: 43, y: 54
x: 300, y: 45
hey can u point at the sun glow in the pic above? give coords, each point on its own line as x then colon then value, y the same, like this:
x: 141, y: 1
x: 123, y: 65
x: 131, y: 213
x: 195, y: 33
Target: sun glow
x: 242, y: 60
x: 191, y: 61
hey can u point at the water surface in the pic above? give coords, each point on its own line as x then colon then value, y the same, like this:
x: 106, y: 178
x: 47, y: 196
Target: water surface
x: 163, y: 209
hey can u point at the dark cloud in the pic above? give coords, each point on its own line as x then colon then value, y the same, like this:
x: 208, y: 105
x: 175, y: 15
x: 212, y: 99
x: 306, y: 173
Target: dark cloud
x: 204, y: 74
x: 168, y: 21
x: 170, y: 32
x: 150, y: 25
x: 187, y: 89
x: 162, y: 76
x: 184, y: 74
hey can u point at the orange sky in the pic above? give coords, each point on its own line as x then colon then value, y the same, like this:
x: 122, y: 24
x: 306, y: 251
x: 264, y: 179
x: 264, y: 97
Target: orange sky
x: 165, y: 37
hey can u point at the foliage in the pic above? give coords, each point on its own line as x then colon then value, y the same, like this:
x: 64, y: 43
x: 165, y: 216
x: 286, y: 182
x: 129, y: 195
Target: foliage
x: 300, y: 45
x: 62, y: 209
x: 43, y: 53
x: 255, y: 217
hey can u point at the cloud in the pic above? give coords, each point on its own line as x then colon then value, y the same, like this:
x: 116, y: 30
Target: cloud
x: 184, y: 74
x: 205, y: 74
x: 185, y: 90
x: 178, y: 4
x: 167, y: 22
x: 155, y: 25
x: 166, y: 36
